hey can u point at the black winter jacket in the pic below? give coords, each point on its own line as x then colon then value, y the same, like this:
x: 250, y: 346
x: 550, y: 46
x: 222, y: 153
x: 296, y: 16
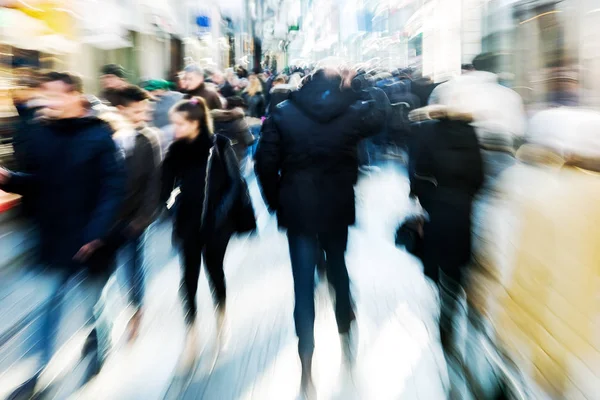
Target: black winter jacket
x: 75, y: 186
x: 306, y: 160
x: 446, y: 173
x: 214, y: 197
x: 232, y: 124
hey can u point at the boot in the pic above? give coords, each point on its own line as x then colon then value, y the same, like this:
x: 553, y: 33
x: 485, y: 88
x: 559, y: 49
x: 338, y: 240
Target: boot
x: 307, y: 387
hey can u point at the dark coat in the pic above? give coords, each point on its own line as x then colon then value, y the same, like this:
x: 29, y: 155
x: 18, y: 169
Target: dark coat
x: 279, y: 94
x: 446, y: 173
x: 227, y: 90
x: 76, y: 184
x: 143, y: 179
x: 212, y: 99
x: 162, y: 107
x: 232, y: 124
x: 257, y: 105
x: 306, y: 160
x: 214, y: 197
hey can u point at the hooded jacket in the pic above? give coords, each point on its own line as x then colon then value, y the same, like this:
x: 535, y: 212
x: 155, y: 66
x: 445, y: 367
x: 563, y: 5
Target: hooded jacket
x: 232, y: 124
x: 306, y: 160
x: 76, y: 184
x: 445, y: 172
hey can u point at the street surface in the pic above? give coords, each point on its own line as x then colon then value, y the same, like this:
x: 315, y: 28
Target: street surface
x: 399, y: 357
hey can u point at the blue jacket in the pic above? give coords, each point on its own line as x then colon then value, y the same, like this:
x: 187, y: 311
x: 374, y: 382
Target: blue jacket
x: 75, y: 184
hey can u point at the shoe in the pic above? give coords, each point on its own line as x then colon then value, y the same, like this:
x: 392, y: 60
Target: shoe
x: 189, y: 356
x: 307, y: 387
x: 349, y: 343
x: 221, y: 314
x: 133, y: 327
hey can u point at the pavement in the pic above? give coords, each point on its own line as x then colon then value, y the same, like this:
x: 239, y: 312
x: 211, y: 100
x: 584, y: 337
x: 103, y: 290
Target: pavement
x: 399, y: 356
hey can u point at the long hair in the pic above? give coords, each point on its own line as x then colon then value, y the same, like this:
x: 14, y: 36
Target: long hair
x: 195, y: 109
x: 254, y: 86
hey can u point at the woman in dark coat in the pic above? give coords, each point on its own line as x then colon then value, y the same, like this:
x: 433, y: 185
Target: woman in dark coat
x: 255, y: 98
x: 446, y: 173
x: 232, y: 124
x: 213, y: 204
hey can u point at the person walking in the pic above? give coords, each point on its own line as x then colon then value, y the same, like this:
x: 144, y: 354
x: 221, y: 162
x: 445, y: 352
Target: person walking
x: 213, y: 204
x: 254, y: 97
x: 232, y: 124
x: 112, y: 76
x: 195, y: 86
x: 141, y: 146
x: 446, y: 173
x: 163, y: 99
x: 307, y: 168
x: 76, y: 185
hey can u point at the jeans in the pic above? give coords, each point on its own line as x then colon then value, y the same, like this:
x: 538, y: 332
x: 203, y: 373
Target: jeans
x: 132, y: 253
x: 305, y: 252
x: 73, y: 307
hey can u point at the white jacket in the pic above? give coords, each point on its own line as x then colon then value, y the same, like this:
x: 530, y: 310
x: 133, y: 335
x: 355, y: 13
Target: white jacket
x: 499, y: 114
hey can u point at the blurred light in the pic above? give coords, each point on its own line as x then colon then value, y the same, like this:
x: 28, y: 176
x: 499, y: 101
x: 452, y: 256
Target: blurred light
x: 540, y: 15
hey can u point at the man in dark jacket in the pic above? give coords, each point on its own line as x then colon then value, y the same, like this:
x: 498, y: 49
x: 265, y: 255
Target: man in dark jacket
x: 194, y: 86
x: 164, y: 99
x: 75, y: 184
x: 142, y: 162
x: 307, y: 166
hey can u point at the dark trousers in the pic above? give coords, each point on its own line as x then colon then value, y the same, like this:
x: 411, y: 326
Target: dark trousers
x: 305, y: 252
x: 214, y: 254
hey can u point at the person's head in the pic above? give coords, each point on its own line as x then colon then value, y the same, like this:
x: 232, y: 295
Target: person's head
x: 280, y: 80
x: 191, y: 118
x: 193, y: 77
x: 254, y: 85
x: 63, y: 95
x: 485, y: 62
x: 235, y: 102
x: 466, y: 68
x: 112, y: 76
x: 218, y: 78
x: 156, y: 87
x: 132, y: 103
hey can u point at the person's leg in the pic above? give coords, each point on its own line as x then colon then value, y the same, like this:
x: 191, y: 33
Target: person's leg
x: 334, y: 244
x: 214, y: 254
x: 192, y: 260
x: 79, y: 297
x: 322, y: 263
x: 133, y: 254
x: 304, y: 255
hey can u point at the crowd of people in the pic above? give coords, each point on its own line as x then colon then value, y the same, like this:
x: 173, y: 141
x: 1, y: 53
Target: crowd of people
x: 96, y: 173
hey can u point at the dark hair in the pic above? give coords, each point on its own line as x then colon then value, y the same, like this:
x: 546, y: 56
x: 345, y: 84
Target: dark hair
x: 467, y: 67
x: 73, y: 81
x: 485, y: 62
x: 195, y: 109
x: 113, y: 69
x: 235, y: 102
x: 125, y: 96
